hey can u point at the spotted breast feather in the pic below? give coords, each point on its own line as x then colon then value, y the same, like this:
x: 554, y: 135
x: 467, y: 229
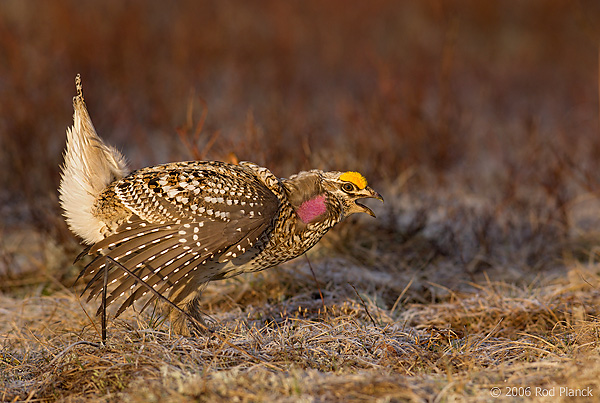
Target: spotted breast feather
x: 181, y: 217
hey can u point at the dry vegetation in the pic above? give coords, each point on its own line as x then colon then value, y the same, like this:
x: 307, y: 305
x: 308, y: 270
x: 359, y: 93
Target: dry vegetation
x: 477, y: 120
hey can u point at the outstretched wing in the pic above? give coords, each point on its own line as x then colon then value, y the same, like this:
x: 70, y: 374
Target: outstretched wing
x: 185, y: 218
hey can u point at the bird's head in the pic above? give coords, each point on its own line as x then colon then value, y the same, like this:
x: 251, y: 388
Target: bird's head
x: 317, y: 194
x: 348, y: 188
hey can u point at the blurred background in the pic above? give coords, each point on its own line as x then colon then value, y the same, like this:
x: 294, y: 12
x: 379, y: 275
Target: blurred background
x: 477, y: 120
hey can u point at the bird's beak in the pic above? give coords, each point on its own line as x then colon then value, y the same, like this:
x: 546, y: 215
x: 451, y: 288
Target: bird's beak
x: 366, y: 193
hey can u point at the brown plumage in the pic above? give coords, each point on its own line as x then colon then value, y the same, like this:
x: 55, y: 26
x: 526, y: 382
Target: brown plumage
x: 181, y: 225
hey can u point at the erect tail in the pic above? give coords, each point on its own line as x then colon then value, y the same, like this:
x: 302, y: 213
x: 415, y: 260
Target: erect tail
x: 89, y: 167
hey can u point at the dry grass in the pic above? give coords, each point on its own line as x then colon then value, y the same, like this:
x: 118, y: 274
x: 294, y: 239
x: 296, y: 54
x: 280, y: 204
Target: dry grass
x: 279, y: 347
x: 477, y: 121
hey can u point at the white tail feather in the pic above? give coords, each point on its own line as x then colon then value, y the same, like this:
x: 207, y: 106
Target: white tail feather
x: 90, y: 166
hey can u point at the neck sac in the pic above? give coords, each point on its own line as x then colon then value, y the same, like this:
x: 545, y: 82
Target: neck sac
x: 312, y: 209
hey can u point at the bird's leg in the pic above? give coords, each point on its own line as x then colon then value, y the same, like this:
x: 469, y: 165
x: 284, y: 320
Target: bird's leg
x: 188, y: 320
x: 107, y: 266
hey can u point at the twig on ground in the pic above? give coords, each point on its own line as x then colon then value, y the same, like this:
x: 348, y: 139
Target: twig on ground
x: 364, y: 305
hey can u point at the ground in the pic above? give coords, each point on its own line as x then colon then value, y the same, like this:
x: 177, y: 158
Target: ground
x: 477, y: 121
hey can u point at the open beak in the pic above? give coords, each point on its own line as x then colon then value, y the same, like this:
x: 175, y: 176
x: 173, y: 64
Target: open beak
x: 367, y: 193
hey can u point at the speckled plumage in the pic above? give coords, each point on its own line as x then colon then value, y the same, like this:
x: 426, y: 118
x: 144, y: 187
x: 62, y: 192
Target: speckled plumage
x: 180, y: 225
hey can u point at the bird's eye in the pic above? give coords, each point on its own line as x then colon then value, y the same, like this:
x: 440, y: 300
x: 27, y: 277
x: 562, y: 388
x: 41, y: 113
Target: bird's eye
x: 347, y: 187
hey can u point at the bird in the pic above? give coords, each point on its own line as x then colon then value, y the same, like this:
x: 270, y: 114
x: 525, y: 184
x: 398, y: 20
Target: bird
x: 179, y: 225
